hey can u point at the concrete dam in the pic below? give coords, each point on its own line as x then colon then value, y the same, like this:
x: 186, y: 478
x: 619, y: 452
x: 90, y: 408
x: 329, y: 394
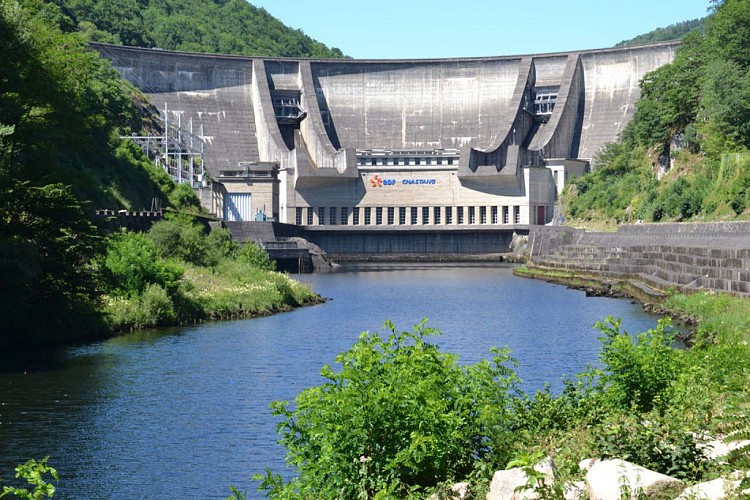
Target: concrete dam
x: 394, y: 156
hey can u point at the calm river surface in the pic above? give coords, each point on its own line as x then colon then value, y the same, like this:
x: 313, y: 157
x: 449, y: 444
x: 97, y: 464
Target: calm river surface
x: 183, y: 413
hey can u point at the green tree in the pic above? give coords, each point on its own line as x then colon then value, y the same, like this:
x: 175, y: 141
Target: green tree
x: 59, y: 104
x: 399, y: 416
x: 639, y: 371
x: 47, y: 243
x: 230, y: 27
x: 728, y: 32
x: 132, y: 264
x: 179, y: 237
x: 669, y: 98
x: 254, y: 255
x: 725, y: 113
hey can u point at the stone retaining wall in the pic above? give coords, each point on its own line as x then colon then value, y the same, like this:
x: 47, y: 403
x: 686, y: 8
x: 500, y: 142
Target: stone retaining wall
x: 687, y: 257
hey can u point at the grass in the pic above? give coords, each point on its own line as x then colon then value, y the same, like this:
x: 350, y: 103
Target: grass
x: 712, y: 379
x: 228, y: 291
x: 719, y: 314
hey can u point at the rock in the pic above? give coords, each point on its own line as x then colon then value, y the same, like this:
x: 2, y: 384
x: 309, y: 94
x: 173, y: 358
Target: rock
x: 547, y: 467
x: 717, y: 489
x: 587, y: 463
x: 505, y: 482
x: 608, y: 479
x: 575, y: 491
x: 319, y: 258
x: 459, y: 491
x: 519, y: 245
x: 720, y: 449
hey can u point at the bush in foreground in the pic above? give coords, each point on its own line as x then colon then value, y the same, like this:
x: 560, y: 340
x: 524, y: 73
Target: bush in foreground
x: 398, y: 417
x: 401, y: 419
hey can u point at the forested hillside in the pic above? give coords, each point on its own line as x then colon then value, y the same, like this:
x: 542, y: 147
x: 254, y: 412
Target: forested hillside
x: 672, y: 32
x: 684, y: 154
x: 63, y: 110
x: 213, y: 26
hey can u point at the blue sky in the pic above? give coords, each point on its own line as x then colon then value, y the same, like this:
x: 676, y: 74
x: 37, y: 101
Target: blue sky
x: 385, y: 29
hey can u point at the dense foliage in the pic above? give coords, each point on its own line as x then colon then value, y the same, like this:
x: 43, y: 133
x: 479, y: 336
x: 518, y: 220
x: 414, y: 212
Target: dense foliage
x: 34, y: 472
x: 675, y: 31
x: 178, y: 273
x: 59, y: 107
x: 215, y: 26
x: 400, y: 415
x: 398, y: 418
x: 684, y: 154
x: 62, y: 110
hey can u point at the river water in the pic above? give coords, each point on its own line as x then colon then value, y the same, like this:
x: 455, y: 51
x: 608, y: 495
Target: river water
x: 183, y: 413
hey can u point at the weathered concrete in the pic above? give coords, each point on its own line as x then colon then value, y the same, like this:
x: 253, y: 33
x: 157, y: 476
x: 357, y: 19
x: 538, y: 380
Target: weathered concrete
x: 472, y: 127
x: 213, y: 90
x: 348, y: 242
x: 431, y: 104
x: 681, y: 256
x: 342, y: 242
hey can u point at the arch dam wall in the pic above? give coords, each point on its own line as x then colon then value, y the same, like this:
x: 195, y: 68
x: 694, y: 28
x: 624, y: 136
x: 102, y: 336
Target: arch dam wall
x: 483, y: 107
x: 688, y: 257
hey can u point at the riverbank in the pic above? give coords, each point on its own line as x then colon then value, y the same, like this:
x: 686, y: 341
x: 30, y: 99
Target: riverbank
x: 231, y: 291
x: 673, y: 257
x: 653, y: 301
x: 703, y: 398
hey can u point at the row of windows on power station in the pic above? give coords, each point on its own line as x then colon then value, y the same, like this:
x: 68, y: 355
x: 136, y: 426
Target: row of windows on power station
x: 384, y: 161
x: 346, y: 216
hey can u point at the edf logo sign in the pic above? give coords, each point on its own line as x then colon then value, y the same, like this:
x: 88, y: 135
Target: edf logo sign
x: 377, y: 181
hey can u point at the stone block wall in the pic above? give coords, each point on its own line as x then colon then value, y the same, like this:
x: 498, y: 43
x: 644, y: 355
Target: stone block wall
x: 683, y: 256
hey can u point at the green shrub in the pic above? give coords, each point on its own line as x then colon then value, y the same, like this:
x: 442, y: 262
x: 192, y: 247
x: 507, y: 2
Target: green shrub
x: 180, y: 238
x: 254, y: 255
x: 184, y: 198
x: 157, y: 305
x: 398, y: 417
x: 132, y: 264
x: 33, y: 472
x: 219, y: 245
x: 639, y: 371
x: 653, y: 442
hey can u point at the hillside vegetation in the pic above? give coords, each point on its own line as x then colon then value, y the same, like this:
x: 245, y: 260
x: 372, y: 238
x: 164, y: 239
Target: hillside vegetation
x: 675, y: 31
x: 684, y: 154
x: 62, y: 111
x: 212, y: 26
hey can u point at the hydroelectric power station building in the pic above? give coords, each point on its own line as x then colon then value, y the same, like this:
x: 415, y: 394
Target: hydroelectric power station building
x: 384, y: 152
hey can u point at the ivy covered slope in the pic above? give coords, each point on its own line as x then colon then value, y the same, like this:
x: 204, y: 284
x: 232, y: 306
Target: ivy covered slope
x: 694, y: 112
x: 212, y: 26
x: 62, y: 111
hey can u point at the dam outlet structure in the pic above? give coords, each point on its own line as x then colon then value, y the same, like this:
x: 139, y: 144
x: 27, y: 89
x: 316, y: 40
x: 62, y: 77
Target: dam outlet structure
x: 393, y: 157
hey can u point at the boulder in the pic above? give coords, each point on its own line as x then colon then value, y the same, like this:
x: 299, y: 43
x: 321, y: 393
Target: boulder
x: 720, y: 449
x: 618, y: 479
x: 587, y: 463
x: 717, y: 489
x: 505, y: 482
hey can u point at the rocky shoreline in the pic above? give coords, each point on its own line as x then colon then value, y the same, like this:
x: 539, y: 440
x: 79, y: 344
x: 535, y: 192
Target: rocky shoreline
x: 651, y: 300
